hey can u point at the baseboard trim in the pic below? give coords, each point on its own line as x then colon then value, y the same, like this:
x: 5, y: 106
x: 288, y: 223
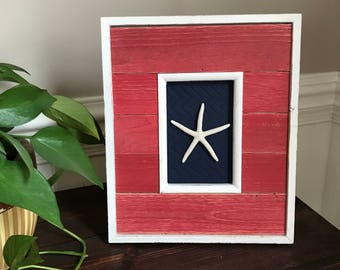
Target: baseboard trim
x: 314, y: 79
x: 336, y: 115
x: 318, y: 92
x: 315, y: 115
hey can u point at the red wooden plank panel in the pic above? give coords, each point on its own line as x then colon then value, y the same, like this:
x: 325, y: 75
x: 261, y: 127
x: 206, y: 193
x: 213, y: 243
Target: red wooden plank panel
x: 263, y: 92
x: 265, y: 133
x: 201, y: 214
x: 137, y: 173
x: 238, y: 47
x: 266, y: 91
x: 264, y: 173
x: 135, y: 93
x: 261, y: 173
x: 136, y: 134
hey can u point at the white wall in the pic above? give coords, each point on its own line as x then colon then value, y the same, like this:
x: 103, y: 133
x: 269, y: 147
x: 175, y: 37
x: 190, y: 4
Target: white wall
x: 312, y: 160
x: 331, y: 193
x: 318, y: 170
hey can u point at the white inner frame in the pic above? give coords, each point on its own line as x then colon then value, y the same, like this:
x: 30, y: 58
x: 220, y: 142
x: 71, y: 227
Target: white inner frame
x: 106, y: 24
x: 235, y: 186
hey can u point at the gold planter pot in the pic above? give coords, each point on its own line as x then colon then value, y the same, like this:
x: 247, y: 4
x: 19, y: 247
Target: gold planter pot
x: 14, y: 220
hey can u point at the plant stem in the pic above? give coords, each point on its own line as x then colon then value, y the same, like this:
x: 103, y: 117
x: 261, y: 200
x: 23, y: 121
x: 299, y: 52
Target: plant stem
x: 33, y: 266
x: 56, y: 252
x: 53, y: 179
x: 83, y: 254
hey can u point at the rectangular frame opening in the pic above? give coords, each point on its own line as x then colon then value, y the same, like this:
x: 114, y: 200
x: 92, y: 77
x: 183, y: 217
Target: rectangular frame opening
x: 233, y: 186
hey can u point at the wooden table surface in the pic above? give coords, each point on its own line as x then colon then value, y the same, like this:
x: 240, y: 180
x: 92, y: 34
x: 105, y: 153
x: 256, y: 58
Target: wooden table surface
x: 317, y: 243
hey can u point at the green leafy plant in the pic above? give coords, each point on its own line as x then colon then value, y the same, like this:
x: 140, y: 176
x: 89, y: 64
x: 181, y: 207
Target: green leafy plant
x: 21, y: 184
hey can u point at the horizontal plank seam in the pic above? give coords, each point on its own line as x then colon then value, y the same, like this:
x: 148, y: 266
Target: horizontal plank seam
x: 156, y: 154
x: 275, y: 153
x: 155, y: 73
x: 244, y: 113
x: 264, y: 113
x: 244, y: 71
x: 203, y: 194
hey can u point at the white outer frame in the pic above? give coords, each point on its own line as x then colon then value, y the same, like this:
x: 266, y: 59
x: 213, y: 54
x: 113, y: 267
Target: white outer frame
x: 106, y: 23
x: 235, y: 187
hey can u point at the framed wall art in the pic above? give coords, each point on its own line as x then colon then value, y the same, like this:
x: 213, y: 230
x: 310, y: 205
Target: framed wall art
x: 201, y: 127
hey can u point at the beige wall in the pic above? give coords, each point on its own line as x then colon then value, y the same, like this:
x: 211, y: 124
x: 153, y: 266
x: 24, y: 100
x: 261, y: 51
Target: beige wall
x: 331, y: 191
x: 59, y: 41
x: 312, y: 160
x: 318, y: 153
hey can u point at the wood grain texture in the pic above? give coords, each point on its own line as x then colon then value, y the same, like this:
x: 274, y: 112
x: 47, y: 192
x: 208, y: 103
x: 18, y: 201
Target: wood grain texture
x: 316, y: 243
x: 136, y: 134
x: 137, y: 173
x: 265, y: 133
x: 266, y: 91
x: 264, y: 173
x: 263, y: 92
x: 261, y: 173
x: 201, y: 214
x: 135, y: 93
x: 262, y: 133
x: 239, y: 47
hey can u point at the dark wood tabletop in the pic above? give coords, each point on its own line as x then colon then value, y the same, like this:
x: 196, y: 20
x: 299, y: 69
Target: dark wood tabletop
x: 317, y: 243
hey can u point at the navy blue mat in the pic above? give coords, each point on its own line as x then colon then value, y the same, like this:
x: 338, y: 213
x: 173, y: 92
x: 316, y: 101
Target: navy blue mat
x: 183, y: 103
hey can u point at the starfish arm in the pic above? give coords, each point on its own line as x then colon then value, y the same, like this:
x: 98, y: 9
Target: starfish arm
x: 183, y: 128
x: 216, y: 130
x: 189, y: 150
x: 200, y: 118
x: 209, y: 148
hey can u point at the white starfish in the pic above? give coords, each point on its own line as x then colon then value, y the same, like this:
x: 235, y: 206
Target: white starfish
x: 199, y: 135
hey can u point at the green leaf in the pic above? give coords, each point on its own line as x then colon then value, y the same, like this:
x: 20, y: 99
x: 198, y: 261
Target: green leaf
x: 59, y: 147
x: 72, y: 114
x: 21, y: 250
x: 25, y: 156
x: 32, y: 193
x: 53, y: 179
x: 12, y: 67
x: 7, y: 73
x: 22, y: 103
x: 11, y: 152
x: 2, y: 150
x: 6, y: 129
x: 33, y: 256
x: 86, y: 139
